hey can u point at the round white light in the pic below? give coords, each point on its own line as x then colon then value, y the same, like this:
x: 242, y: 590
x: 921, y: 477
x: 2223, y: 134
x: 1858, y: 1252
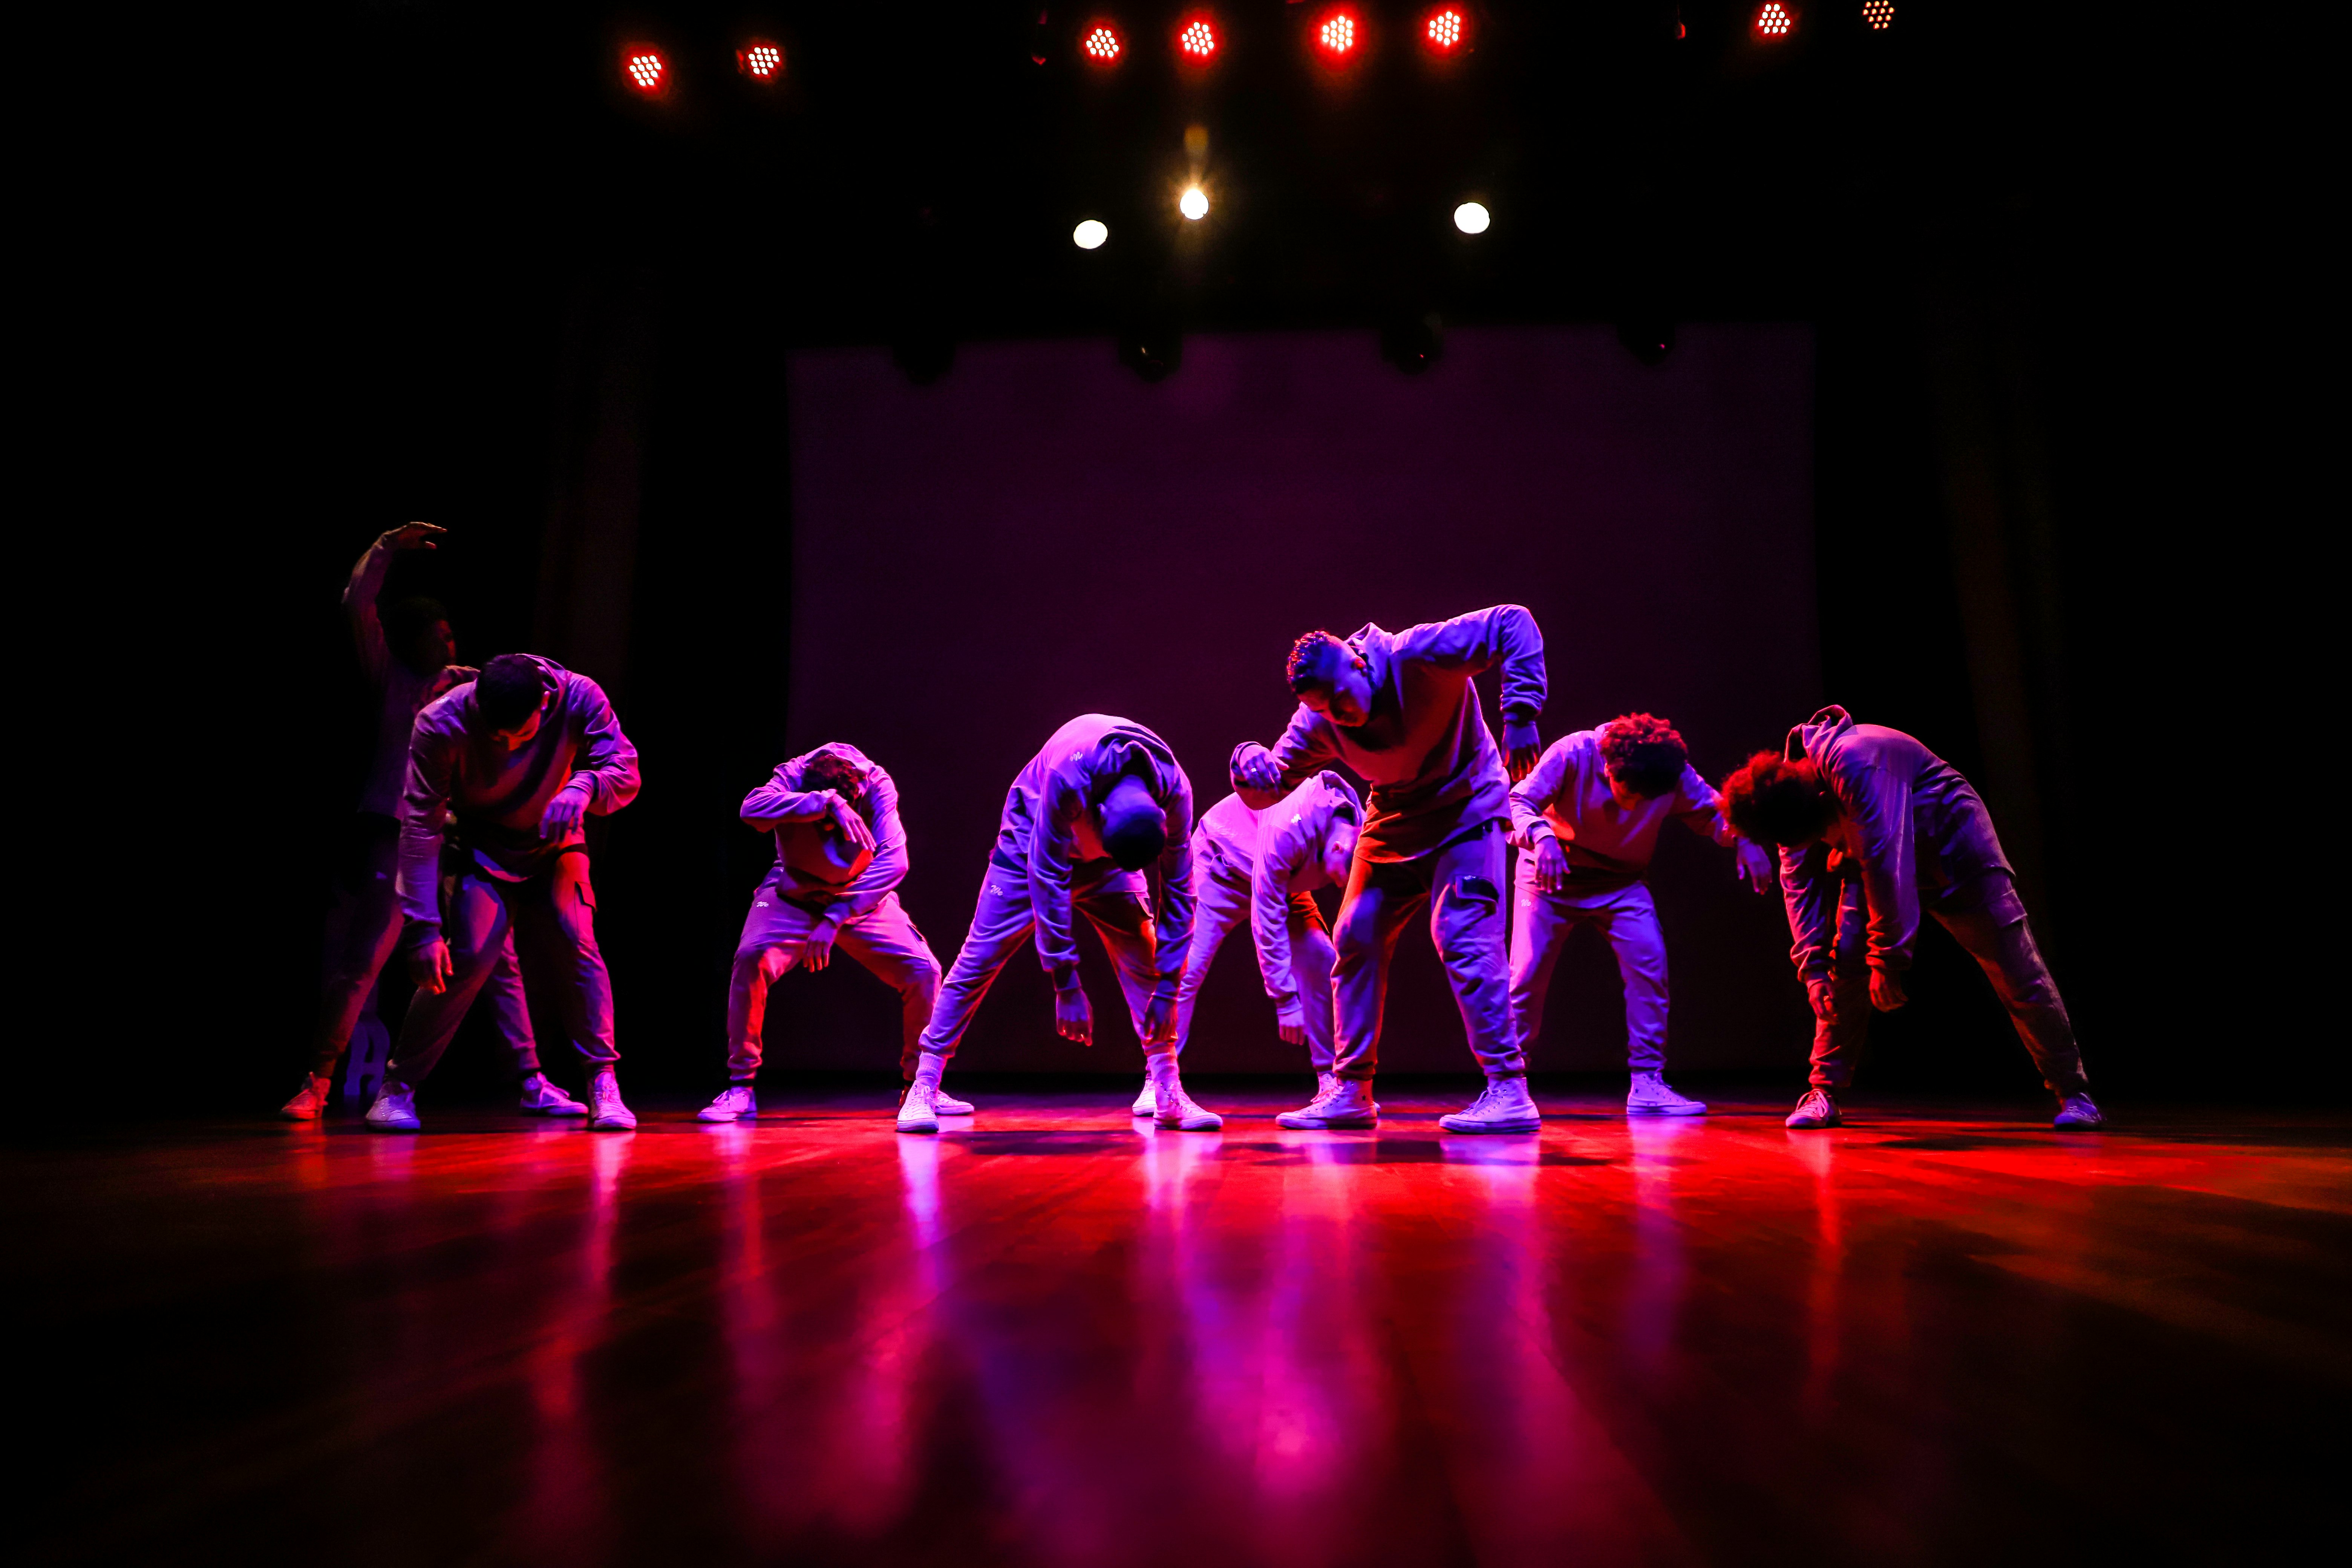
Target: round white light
x: 1193, y: 204
x: 1472, y: 218
x: 1089, y: 235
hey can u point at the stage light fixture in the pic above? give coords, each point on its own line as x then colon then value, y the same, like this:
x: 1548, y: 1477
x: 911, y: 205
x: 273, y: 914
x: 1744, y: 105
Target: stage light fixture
x: 1101, y: 44
x: 1337, y: 35
x: 1197, y: 39
x: 1775, y: 21
x: 645, y: 69
x: 1472, y: 217
x: 1445, y: 30
x: 1878, y: 15
x: 1090, y: 234
x: 761, y: 59
x: 1193, y: 204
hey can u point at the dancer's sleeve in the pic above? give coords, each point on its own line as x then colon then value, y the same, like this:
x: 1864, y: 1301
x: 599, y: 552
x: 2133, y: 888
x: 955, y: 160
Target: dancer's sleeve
x: 1282, y: 847
x: 1504, y: 634
x: 607, y: 766
x: 1532, y: 793
x: 888, y: 867
x: 1053, y: 848
x: 1304, y: 749
x: 1697, y: 807
x: 1879, y: 805
x: 424, y: 801
x: 782, y: 799
x: 359, y: 596
x: 1809, y: 893
x: 1173, y: 926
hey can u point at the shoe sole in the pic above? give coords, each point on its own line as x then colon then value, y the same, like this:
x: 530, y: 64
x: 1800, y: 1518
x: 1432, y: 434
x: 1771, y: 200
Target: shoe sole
x: 1665, y: 1110
x: 1523, y: 1125
x: 601, y: 1125
x: 918, y: 1127
x: 1180, y: 1125
x: 1811, y: 1126
x: 535, y: 1110
x: 704, y: 1116
x: 1326, y: 1123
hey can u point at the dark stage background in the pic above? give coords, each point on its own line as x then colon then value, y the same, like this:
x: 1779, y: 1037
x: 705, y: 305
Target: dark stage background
x: 1041, y: 534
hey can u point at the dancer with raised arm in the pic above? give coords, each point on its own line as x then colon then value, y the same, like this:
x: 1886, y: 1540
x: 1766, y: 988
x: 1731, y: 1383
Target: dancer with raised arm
x: 1099, y: 823
x: 1873, y: 828
x: 408, y: 653
x: 841, y: 853
x: 1258, y: 858
x: 515, y: 761
x: 1399, y: 709
x: 1586, y: 822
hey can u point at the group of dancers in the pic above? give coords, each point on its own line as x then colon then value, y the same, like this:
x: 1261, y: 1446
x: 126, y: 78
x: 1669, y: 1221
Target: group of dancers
x: 469, y: 858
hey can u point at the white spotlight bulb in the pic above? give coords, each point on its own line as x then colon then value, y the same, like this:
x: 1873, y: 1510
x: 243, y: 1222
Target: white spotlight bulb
x: 1193, y: 204
x: 1089, y: 235
x: 1472, y: 218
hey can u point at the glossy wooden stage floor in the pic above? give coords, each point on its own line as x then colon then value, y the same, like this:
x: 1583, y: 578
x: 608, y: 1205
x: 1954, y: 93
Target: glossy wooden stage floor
x: 1057, y: 1338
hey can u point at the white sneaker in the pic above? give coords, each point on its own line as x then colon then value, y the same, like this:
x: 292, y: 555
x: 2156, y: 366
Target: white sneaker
x: 2077, y: 1111
x: 1505, y: 1106
x: 1172, y: 1107
x: 919, y: 1110
x: 1146, y: 1104
x: 540, y: 1097
x: 310, y: 1102
x: 1650, y: 1096
x: 1350, y: 1104
x: 947, y: 1104
x: 605, y: 1095
x: 736, y: 1104
x: 1327, y: 1084
x: 1818, y: 1109
x: 394, y: 1111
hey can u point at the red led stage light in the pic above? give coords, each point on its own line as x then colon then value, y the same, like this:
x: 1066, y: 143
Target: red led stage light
x: 1101, y: 44
x: 761, y: 59
x: 1445, y: 30
x: 1878, y: 15
x: 645, y: 69
x: 1197, y: 39
x: 1775, y: 21
x: 1338, y: 34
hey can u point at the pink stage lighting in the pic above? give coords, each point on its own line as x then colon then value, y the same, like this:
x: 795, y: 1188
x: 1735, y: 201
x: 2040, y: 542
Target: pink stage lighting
x: 1878, y: 15
x: 645, y: 69
x: 1775, y: 21
x: 1445, y: 30
x: 1101, y: 44
x: 1197, y: 39
x: 1338, y: 34
x: 761, y: 59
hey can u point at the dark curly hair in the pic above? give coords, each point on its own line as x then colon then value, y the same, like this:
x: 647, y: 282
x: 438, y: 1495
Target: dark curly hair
x: 831, y: 769
x: 1773, y: 801
x: 509, y: 689
x: 1645, y: 752
x: 1306, y: 655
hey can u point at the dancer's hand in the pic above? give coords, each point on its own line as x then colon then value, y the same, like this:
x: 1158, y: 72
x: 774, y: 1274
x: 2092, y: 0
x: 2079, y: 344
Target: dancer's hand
x: 1159, y: 1023
x: 816, y: 949
x: 1822, y: 995
x: 1551, y: 864
x: 1885, y: 989
x: 411, y: 536
x: 1291, y: 1033
x: 430, y: 967
x: 1522, y: 761
x: 1073, y: 1015
x: 563, y: 813
x: 1754, y: 862
x: 852, y: 826
x: 1257, y: 769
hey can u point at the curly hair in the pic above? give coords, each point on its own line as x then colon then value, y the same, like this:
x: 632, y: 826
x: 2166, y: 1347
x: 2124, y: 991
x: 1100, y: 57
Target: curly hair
x: 1775, y: 802
x: 1644, y: 751
x: 831, y: 769
x: 1303, y: 668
